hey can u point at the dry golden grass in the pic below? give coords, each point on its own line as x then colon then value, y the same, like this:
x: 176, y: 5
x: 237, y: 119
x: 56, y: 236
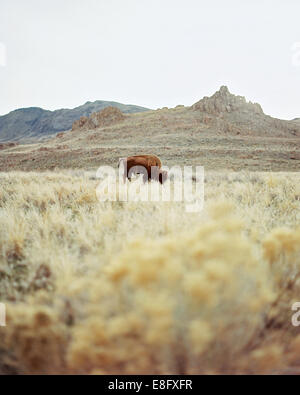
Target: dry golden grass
x: 147, y: 288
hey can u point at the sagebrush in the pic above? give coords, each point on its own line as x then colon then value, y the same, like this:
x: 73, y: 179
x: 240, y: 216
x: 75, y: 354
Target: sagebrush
x: 138, y: 288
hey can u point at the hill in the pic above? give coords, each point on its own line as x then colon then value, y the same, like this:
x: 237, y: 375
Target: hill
x: 30, y: 124
x: 221, y: 132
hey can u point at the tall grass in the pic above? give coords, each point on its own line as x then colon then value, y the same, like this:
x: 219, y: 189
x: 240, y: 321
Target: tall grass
x: 133, y: 288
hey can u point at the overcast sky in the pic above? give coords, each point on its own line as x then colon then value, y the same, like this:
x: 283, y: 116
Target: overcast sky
x: 154, y: 53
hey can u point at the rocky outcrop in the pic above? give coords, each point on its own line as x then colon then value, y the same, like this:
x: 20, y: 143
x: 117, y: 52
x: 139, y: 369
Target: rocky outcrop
x: 225, y: 102
x: 83, y: 123
x: 226, y: 113
x: 106, y: 117
x: 7, y: 145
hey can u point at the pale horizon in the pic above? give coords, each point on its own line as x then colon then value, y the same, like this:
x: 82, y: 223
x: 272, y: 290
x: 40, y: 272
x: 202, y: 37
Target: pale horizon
x: 63, y: 54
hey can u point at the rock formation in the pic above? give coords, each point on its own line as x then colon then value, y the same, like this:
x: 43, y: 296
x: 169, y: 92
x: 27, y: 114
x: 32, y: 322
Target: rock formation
x: 225, y: 102
x: 106, y: 117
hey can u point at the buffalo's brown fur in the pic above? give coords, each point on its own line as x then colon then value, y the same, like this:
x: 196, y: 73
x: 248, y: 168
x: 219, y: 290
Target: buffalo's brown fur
x: 145, y: 162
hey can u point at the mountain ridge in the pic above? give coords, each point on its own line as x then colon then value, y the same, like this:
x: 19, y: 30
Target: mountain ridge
x: 33, y: 123
x: 221, y: 132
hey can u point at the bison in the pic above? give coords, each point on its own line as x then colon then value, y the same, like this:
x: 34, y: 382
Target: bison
x: 148, y: 165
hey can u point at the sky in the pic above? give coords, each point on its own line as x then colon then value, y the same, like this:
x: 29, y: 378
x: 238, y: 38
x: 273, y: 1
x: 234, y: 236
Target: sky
x: 154, y: 53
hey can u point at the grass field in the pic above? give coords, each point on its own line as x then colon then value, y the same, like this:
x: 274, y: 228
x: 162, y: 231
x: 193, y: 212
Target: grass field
x: 135, y: 288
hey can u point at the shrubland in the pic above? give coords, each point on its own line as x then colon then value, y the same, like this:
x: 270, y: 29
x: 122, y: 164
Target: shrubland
x: 137, y: 288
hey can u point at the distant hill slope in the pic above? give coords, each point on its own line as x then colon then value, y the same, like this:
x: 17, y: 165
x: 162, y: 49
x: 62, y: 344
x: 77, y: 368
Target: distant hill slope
x: 28, y: 124
x: 220, y: 132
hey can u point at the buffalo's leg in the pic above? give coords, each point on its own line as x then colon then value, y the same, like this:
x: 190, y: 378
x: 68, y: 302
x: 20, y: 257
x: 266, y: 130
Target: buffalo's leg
x: 154, y: 173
